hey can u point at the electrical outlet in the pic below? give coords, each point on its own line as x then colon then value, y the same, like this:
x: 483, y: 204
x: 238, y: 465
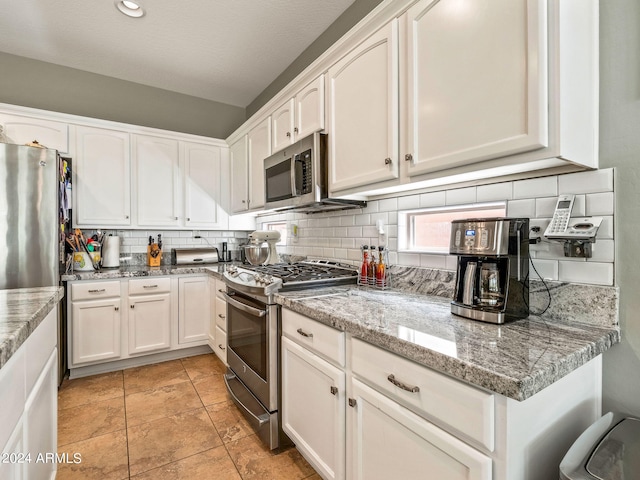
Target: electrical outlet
x: 196, y: 233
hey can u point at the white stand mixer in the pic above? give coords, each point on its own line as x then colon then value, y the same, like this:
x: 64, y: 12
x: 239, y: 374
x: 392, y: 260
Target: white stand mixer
x: 271, y: 237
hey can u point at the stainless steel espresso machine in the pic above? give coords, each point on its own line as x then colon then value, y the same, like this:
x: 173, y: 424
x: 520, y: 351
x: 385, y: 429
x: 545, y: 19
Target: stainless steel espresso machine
x: 492, y: 283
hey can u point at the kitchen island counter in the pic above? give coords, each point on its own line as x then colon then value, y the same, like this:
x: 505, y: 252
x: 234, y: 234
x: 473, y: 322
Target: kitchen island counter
x: 21, y: 311
x: 516, y: 359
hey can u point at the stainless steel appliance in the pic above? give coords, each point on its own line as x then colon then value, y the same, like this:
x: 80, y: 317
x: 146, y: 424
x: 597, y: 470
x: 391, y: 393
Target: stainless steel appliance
x: 34, y: 213
x: 296, y: 178
x: 194, y: 256
x: 492, y: 281
x: 253, y: 335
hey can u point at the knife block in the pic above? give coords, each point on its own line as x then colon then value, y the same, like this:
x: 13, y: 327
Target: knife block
x: 154, y: 255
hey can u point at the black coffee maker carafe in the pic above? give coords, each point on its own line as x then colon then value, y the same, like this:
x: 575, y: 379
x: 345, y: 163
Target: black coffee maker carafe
x: 492, y: 283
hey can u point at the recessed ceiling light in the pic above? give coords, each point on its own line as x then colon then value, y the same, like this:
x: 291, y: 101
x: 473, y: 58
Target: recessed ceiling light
x: 129, y: 8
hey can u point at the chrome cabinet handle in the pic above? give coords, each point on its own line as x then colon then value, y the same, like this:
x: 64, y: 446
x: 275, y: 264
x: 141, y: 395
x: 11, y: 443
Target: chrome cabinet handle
x: 387, y: 161
x: 127, y: 217
x: 98, y: 291
x: 404, y: 386
x: 408, y: 157
x: 352, y: 402
x: 295, y: 129
x: 221, y: 290
x: 150, y: 286
x: 221, y: 316
x: 221, y: 347
x: 288, y: 134
x: 334, y: 390
x: 132, y: 306
x: 304, y: 334
x: 116, y: 309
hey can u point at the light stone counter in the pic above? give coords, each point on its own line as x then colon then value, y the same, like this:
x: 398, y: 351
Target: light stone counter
x: 517, y: 359
x: 215, y: 269
x: 21, y: 311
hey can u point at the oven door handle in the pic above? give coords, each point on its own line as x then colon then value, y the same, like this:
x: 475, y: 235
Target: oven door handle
x: 256, y: 312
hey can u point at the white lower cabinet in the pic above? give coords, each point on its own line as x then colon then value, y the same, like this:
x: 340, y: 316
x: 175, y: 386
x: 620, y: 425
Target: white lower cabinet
x: 14, y: 448
x: 388, y: 441
x: 218, y: 322
x: 313, y: 408
x: 193, y: 301
x: 95, y: 330
x: 149, y: 323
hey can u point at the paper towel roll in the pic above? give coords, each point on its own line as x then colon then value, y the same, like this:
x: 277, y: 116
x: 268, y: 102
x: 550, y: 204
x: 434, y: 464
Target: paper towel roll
x: 111, y: 252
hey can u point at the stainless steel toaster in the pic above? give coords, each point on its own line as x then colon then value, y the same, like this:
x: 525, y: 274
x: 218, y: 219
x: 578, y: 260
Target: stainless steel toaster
x: 194, y: 256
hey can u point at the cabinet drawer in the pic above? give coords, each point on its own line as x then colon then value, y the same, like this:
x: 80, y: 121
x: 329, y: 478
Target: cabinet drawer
x: 94, y: 290
x: 220, y: 288
x: 221, y: 314
x: 149, y: 285
x: 448, y: 402
x: 321, y: 339
x: 220, y: 347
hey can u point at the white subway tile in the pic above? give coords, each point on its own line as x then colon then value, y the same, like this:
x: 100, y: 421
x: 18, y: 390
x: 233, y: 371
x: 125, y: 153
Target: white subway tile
x: 586, y: 182
x: 603, y: 251
x: 536, y: 187
x: 354, y: 232
x: 451, y: 262
x: 347, y: 220
x: 370, y: 231
x: 545, y: 207
x: 341, y: 253
x: 388, y: 205
x: 586, y: 272
x: 600, y: 204
x: 364, y: 219
x: 409, y: 202
x: 340, y: 232
x: 393, y: 218
x: 433, y: 199
x: 521, y: 208
x: 460, y: 196
x: 372, y: 207
x: 547, y: 269
x: 384, y: 216
x: 495, y: 192
x: 433, y: 261
x: 606, y: 228
x: 334, y: 221
x: 409, y: 259
x: 393, y: 258
x: 392, y: 243
x: 329, y: 253
x: 354, y: 255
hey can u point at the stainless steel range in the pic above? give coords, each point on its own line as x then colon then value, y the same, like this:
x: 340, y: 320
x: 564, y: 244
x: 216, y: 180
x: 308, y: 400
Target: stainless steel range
x: 253, y: 335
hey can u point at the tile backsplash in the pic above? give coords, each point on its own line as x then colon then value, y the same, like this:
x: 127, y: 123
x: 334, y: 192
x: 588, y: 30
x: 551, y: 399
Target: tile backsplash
x: 338, y: 235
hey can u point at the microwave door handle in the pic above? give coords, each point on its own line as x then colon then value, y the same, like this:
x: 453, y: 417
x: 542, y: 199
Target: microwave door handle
x: 294, y: 161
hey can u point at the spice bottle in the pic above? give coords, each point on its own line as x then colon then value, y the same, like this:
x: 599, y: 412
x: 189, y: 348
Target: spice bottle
x: 364, y: 269
x: 371, y: 271
x: 381, y: 279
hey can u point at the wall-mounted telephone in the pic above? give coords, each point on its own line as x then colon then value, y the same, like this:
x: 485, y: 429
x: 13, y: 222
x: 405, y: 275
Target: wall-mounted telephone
x: 563, y: 227
x: 560, y: 221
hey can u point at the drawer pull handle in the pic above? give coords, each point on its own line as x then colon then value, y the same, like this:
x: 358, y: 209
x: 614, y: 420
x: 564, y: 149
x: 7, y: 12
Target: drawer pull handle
x: 352, y: 402
x: 222, y: 290
x: 403, y: 386
x: 116, y: 309
x: 221, y: 316
x: 98, y: 290
x: 133, y: 306
x: 304, y: 334
x: 150, y: 286
x: 221, y: 347
x: 334, y: 390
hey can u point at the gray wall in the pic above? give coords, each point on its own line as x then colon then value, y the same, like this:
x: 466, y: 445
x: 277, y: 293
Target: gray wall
x: 620, y: 148
x: 46, y: 86
x: 337, y: 29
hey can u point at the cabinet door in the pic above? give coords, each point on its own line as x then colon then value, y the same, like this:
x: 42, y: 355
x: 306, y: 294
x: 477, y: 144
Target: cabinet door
x: 309, y: 109
x: 202, y: 176
x: 475, y: 81
x: 388, y: 441
x: 23, y: 130
x: 194, y: 313
x: 313, y: 408
x: 363, y: 113
x: 149, y: 323
x: 259, y: 148
x: 102, y: 183
x: 15, y: 446
x: 95, y: 333
x: 282, y: 122
x: 41, y: 421
x: 157, y: 179
x: 220, y: 347
x: 238, y: 156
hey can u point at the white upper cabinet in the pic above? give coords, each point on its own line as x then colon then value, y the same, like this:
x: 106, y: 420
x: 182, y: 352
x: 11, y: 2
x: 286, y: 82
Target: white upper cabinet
x: 238, y: 156
x: 23, y: 130
x: 202, y: 167
x: 102, y: 181
x: 157, y: 179
x: 362, y: 106
x: 475, y: 81
x: 258, y: 148
x: 300, y: 116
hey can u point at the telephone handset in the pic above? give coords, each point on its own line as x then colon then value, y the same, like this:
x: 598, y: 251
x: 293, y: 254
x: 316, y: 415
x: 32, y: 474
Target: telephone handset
x: 561, y: 216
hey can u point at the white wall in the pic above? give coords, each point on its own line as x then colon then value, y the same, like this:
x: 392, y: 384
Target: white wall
x: 339, y: 235
x: 620, y: 148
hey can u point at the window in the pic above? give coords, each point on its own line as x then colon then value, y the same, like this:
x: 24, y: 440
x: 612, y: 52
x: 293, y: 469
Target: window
x: 429, y: 229
x: 280, y: 227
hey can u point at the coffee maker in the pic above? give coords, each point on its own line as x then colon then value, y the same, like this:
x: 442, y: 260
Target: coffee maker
x: 492, y: 283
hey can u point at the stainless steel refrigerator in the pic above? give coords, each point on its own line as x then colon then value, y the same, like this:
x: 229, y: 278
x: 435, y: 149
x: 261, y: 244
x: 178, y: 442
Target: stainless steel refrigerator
x: 34, y: 210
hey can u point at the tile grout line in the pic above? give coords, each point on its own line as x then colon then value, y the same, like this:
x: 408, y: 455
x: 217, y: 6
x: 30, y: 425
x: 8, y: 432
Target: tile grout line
x: 126, y: 426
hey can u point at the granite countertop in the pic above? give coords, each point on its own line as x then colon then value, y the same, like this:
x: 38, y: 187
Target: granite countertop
x: 144, y: 271
x: 21, y: 311
x: 516, y: 359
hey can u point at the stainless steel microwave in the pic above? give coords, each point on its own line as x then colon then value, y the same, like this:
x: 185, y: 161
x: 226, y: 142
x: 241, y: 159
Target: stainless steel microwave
x: 296, y: 178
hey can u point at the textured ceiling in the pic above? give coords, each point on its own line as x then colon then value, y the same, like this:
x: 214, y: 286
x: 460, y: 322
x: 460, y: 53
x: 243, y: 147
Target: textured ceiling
x: 222, y: 50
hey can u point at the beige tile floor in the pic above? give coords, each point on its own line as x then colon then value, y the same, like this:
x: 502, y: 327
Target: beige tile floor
x: 172, y: 420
